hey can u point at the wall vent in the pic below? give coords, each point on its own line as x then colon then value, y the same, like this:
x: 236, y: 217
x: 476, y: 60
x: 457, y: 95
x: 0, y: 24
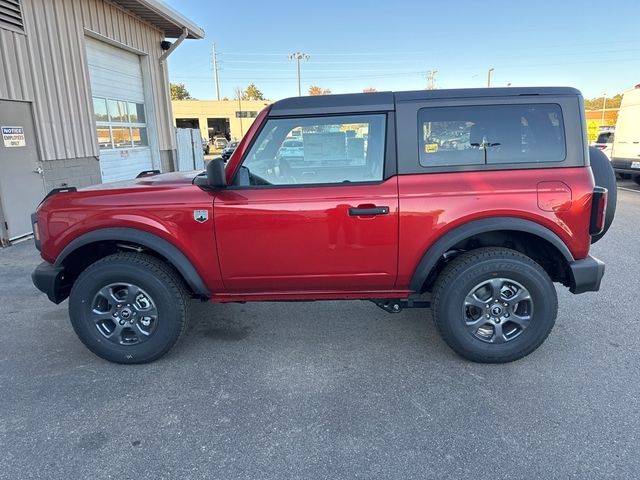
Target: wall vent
x: 11, y: 15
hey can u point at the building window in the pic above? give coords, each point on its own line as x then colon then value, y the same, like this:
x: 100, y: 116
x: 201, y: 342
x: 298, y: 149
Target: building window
x: 246, y: 114
x: 120, y: 124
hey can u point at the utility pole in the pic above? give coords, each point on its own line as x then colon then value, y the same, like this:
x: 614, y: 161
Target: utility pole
x: 431, y: 79
x: 215, y: 71
x: 604, y: 104
x: 299, y: 56
x: 489, y: 76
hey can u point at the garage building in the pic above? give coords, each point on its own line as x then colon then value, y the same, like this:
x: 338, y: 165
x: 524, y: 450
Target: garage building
x: 84, y: 96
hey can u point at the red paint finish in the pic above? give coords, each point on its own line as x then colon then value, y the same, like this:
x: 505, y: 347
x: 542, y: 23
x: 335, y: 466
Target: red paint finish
x: 433, y: 204
x: 162, y: 205
x: 303, y: 238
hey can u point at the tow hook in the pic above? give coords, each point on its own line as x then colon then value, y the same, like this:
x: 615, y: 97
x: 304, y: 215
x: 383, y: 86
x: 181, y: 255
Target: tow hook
x: 396, y: 306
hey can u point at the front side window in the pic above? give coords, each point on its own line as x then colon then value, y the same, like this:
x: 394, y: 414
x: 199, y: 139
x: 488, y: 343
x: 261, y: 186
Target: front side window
x: 327, y: 150
x: 119, y: 124
x: 491, y: 134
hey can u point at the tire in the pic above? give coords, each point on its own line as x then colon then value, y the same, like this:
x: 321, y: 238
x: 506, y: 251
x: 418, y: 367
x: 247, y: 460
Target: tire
x: 462, y: 320
x: 137, y: 289
x: 636, y: 179
x: 604, y: 176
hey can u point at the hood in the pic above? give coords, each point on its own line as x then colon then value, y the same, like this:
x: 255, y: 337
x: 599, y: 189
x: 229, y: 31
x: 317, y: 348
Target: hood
x: 172, y: 179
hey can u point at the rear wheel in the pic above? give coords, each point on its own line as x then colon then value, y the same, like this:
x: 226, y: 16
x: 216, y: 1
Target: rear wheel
x: 129, y: 308
x: 494, y: 305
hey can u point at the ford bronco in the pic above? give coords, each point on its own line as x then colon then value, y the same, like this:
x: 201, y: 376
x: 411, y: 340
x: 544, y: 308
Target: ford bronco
x: 472, y: 202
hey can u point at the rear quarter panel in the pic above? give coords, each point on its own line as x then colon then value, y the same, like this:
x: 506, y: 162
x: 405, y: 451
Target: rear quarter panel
x: 436, y: 203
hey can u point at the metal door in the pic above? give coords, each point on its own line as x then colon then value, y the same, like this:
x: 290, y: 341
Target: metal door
x: 21, y: 182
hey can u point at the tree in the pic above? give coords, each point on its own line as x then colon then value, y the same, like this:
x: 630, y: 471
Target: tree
x: 596, y: 103
x: 239, y: 94
x: 369, y: 90
x: 253, y: 93
x: 250, y: 93
x: 314, y: 91
x: 180, y: 92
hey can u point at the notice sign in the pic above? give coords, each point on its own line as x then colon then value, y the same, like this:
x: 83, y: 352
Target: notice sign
x: 13, y: 137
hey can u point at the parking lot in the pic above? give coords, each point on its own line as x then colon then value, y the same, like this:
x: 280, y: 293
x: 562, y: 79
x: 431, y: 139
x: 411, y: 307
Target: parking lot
x: 326, y: 390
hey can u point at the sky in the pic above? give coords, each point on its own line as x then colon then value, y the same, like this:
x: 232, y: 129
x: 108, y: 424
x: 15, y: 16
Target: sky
x: 391, y: 45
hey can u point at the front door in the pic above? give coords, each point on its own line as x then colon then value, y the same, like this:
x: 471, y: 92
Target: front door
x: 21, y: 182
x: 310, y: 211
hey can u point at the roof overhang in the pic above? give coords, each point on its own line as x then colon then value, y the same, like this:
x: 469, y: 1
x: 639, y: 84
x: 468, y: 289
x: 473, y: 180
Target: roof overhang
x: 162, y: 16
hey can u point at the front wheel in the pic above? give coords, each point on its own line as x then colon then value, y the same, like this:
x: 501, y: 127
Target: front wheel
x: 129, y: 308
x: 494, y: 305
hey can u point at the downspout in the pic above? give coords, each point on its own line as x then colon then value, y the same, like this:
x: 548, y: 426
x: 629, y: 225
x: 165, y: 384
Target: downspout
x: 163, y: 67
x: 175, y: 44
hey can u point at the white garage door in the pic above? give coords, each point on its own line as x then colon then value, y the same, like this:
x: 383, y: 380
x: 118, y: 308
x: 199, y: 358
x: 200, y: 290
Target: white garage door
x: 121, y: 120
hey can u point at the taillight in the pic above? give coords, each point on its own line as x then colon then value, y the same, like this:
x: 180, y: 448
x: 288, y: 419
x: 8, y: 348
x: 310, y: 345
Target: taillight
x: 598, y: 210
x: 600, y: 147
x: 36, y: 230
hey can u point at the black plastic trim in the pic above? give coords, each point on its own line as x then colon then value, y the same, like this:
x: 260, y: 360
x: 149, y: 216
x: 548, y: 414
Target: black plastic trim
x: 407, y: 108
x: 49, y: 279
x: 149, y: 240
x: 363, y: 212
x: 55, y: 191
x: 598, y: 192
x: 148, y: 173
x: 586, y: 275
x: 451, y: 238
x: 34, y: 223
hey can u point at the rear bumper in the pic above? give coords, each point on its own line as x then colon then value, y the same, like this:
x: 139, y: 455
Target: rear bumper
x: 623, y: 165
x: 50, y: 280
x: 586, y: 275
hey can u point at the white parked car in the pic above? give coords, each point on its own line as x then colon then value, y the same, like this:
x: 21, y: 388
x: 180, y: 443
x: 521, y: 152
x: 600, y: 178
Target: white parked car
x: 604, y: 141
x: 219, y: 142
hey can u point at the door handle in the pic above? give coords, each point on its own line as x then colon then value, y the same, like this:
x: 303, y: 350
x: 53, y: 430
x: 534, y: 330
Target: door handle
x: 38, y: 170
x: 366, y: 211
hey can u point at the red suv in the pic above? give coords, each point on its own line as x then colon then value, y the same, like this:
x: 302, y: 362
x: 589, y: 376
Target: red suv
x: 471, y: 202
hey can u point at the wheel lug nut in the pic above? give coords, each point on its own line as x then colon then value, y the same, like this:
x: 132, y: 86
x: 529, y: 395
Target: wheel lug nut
x: 505, y: 304
x: 497, y: 320
x: 506, y: 315
x: 121, y: 322
x: 488, y: 316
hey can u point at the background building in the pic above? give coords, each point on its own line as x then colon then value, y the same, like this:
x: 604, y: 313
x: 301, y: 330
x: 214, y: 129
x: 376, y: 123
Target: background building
x: 228, y: 117
x: 84, y: 96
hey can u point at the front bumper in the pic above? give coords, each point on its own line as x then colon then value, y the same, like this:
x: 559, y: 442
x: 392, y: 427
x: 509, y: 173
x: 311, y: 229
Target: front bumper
x: 586, y: 275
x: 50, y: 279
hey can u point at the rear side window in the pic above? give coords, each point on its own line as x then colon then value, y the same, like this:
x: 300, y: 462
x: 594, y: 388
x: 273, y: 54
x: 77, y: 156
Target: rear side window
x: 491, y: 134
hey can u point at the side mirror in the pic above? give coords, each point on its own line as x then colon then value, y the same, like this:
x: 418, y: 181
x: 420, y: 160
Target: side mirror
x: 216, y: 177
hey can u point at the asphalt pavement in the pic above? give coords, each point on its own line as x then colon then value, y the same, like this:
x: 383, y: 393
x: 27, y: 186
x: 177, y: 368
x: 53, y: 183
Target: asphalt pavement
x: 326, y: 390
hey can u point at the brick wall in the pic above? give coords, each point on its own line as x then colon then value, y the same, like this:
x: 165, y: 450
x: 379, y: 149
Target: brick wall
x: 71, y: 172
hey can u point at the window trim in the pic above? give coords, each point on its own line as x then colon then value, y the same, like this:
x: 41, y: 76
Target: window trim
x: 420, y: 126
x: 389, y: 163
x: 115, y: 124
x: 408, y: 142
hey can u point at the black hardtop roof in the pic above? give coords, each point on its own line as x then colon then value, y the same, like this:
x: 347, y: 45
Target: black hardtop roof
x: 385, y: 101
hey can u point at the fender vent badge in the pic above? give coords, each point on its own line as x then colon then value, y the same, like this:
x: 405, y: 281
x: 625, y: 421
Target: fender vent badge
x: 201, y: 216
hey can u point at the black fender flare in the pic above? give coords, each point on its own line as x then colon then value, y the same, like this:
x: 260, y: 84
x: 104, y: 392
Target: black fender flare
x: 145, y: 239
x: 475, y: 227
